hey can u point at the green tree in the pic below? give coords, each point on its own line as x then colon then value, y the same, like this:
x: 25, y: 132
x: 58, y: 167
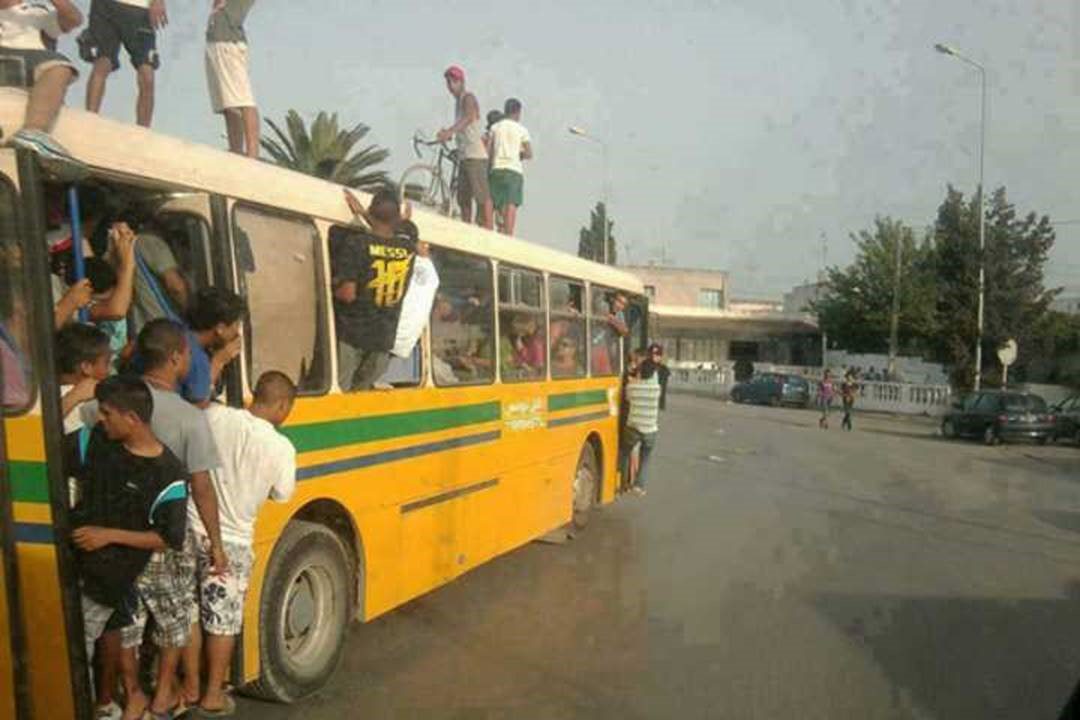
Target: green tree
x: 591, y: 238
x: 327, y: 151
x: 855, y: 307
x: 1016, y: 301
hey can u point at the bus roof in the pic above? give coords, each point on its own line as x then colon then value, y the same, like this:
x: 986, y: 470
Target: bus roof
x: 129, y: 150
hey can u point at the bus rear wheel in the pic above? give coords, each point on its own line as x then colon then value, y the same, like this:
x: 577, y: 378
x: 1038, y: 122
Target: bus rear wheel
x: 586, y: 484
x: 304, y: 612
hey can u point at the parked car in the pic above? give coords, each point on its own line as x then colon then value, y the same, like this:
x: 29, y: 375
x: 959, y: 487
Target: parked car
x: 773, y: 389
x: 1068, y: 419
x: 999, y: 415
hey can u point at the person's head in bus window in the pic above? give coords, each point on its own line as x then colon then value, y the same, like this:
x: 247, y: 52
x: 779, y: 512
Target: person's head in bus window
x: 125, y: 405
x: 564, y: 359
x: 82, y: 353
x: 618, y: 303
x: 443, y: 309
x: 163, y: 347
x: 215, y: 317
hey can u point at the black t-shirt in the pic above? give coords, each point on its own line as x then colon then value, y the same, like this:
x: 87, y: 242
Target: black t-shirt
x: 382, y: 270
x: 127, y: 492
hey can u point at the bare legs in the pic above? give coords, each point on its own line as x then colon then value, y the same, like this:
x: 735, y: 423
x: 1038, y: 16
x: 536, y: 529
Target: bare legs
x: 242, y: 126
x: 95, y: 86
x: 46, y: 97
x: 509, y: 219
x: 219, y: 650
x: 95, y: 90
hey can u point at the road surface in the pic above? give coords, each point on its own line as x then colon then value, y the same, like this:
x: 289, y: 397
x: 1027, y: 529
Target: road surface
x: 772, y: 571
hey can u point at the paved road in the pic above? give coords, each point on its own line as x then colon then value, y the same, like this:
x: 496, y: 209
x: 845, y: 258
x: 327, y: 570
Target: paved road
x: 773, y: 571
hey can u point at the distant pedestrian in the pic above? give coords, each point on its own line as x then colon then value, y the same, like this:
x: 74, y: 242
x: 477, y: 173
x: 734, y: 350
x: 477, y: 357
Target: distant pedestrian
x: 848, y: 389
x: 826, y: 392
x: 228, y: 77
x: 642, y: 420
x: 510, y: 145
x: 468, y: 131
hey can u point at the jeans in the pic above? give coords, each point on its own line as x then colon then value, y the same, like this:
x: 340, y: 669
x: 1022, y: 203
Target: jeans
x: 646, y: 442
x: 358, y: 369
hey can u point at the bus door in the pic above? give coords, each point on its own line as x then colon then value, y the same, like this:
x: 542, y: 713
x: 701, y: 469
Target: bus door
x: 13, y: 682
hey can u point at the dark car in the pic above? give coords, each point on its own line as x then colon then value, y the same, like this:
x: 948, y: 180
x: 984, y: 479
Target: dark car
x: 773, y: 389
x: 1068, y: 419
x: 998, y: 415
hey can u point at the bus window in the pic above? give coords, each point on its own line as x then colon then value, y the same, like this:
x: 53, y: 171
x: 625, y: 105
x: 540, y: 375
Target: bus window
x: 607, y: 326
x: 462, y: 320
x: 16, y: 382
x: 279, y: 269
x: 523, y: 341
x: 567, y: 329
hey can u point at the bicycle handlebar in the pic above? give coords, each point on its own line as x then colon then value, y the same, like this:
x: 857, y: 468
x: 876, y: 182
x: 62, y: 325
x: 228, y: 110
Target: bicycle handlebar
x: 418, y: 141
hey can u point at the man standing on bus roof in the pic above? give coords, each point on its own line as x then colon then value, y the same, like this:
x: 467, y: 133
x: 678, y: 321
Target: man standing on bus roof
x: 228, y: 76
x: 133, y: 24
x: 258, y: 463
x: 510, y: 145
x: 468, y: 130
x: 24, y: 26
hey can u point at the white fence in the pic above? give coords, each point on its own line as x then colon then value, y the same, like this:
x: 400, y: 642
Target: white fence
x: 899, y: 398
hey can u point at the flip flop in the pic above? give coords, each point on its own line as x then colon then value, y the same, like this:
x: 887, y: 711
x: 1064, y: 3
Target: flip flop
x: 228, y: 710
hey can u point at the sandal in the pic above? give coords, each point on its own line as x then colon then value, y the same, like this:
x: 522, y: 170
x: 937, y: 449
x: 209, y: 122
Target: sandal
x: 227, y: 710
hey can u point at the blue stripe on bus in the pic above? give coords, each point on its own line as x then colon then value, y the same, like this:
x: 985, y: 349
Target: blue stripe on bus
x: 363, y: 461
x: 36, y: 533
x: 575, y: 419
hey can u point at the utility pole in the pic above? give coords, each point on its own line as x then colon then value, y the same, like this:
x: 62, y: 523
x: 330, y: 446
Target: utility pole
x: 894, y: 324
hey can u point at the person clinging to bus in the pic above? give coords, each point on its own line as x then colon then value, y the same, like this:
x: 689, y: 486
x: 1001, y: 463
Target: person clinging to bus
x: 509, y: 146
x: 468, y: 131
x: 83, y: 357
x: 228, y: 76
x: 133, y: 24
x: 642, y: 394
x: 214, y: 318
x: 616, y: 318
x: 258, y: 463
x: 133, y: 499
x: 370, y: 273
x: 23, y: 29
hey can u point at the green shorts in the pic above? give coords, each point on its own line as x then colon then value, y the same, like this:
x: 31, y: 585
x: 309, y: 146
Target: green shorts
x: 507, y: 188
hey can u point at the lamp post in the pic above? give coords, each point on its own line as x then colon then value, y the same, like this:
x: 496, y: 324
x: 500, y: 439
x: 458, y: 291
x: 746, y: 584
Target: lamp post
x: 606, y: 190
x: 948, y: 50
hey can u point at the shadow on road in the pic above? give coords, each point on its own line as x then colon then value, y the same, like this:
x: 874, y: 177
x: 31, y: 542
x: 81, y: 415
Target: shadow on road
x: 1061, y: 519
x: 958, y: 658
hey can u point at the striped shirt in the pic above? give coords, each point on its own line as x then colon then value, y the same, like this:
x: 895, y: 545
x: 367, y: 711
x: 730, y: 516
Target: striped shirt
x: 643, y: 396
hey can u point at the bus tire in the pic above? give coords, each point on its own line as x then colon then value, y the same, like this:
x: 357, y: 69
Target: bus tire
x: 586, y: 484
x: 304, y: 612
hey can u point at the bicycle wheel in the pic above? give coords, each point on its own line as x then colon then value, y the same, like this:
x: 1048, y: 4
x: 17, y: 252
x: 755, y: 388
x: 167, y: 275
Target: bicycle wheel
x: 423, y: 184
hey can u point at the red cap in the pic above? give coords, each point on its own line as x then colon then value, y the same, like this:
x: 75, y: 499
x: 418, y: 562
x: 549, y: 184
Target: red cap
x: 454, y: 72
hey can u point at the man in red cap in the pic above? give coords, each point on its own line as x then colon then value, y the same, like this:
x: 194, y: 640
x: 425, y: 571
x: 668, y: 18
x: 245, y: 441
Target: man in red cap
x: 468, y: 130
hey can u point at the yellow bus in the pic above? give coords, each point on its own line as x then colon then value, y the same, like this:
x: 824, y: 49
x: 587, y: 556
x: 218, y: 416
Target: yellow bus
x: 471, y: 453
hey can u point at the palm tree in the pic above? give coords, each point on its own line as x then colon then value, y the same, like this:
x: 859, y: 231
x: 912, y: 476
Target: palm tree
x: 327, y: 151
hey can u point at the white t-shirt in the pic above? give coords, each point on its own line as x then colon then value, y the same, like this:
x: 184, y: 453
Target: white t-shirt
x: 416, y: 306
x: 73, y: 421
x: 257, y: 462
x: 507, y: 138
x: 21, y: 25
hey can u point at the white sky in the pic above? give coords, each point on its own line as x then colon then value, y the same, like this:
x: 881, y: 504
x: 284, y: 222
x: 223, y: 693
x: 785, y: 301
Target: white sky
x: 740, y: 131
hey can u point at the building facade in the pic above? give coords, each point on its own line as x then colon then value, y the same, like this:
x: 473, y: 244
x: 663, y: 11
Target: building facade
x: 695, y: 317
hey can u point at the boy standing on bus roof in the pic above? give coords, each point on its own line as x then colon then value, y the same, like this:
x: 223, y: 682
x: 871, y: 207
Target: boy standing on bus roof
x: 258, y: 463
x: 468, y: 130
x: 133, y: 506
x: 133, y: 24
x: 510, y: 145
x: 47, y: 73
x: 228, y: 77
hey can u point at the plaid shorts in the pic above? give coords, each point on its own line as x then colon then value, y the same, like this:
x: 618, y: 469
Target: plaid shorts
x: 164, y: 592
x: 221, y: 597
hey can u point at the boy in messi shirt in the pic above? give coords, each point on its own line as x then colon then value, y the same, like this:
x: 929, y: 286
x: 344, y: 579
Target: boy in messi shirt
x: 133, y: 502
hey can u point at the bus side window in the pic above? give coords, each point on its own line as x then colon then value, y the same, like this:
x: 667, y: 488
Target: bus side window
x: 16, y: 370
x: 605, y: 350
x: 523, y: 341
x: 567, y: 329
x: 462, y: 320
x: 174, y: 263
x: 280, y: 270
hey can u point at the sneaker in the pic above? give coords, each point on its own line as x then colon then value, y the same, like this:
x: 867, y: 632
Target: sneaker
x: 639, y: 491
x: 53, y: 156
x: 112, y: 711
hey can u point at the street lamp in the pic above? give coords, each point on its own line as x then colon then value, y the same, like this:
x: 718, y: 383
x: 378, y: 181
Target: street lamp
x: 582, y: 133
x: 948, y: 50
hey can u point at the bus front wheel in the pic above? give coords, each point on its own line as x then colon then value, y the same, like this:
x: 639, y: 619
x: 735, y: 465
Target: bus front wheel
x: 304, y: 612
x: 586, y: 484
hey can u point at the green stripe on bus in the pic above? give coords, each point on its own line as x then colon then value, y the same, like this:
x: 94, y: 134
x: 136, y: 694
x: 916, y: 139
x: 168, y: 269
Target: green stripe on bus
x: 576, y: 399
x: 323, y: 435
x: 28, y: 481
